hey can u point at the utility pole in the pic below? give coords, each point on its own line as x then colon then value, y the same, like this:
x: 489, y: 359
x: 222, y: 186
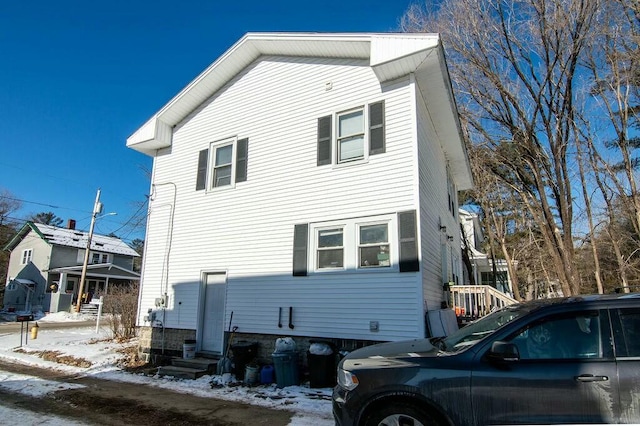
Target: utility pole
x: 97, y: 208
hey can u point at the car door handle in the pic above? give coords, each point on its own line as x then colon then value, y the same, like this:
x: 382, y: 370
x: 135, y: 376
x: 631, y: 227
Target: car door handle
x: 591, y: 378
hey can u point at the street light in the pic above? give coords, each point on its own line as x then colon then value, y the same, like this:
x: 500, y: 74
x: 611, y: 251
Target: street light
x: 97, y: 209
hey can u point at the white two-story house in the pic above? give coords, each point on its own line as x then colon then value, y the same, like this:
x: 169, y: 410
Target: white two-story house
x: 304, y: 185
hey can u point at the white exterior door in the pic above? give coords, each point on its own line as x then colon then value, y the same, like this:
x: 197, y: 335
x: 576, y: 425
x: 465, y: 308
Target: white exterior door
x: 212, y: 318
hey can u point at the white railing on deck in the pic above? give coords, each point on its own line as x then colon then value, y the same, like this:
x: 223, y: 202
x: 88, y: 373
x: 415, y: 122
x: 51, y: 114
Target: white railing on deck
x: 471, y: 302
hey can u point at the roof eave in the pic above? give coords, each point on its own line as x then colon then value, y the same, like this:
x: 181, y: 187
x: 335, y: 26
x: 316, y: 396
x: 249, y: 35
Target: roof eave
x: 156, y: 133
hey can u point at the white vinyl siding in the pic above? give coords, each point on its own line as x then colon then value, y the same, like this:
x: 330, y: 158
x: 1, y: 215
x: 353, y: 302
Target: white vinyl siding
x: 436, y: 246
x: 248, y: 232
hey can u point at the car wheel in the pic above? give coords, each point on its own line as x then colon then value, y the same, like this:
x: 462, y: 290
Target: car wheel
x: 400, y: 414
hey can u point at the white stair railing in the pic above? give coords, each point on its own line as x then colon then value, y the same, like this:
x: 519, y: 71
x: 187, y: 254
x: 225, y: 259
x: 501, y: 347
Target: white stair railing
x: 471, y: 302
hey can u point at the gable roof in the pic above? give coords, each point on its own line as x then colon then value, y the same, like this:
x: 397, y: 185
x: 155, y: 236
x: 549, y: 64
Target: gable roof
x: 390, y: 55
x: 72, y: 238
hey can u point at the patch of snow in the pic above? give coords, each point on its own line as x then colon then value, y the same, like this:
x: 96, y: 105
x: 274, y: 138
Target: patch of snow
x: 312, y: 406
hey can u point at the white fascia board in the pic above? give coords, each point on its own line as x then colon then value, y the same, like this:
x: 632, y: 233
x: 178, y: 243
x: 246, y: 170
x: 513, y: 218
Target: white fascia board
x: 437, y: 93
x: 155, y: 134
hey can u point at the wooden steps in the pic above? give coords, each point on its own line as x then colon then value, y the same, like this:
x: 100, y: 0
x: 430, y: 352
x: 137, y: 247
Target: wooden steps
x: 192, y: 368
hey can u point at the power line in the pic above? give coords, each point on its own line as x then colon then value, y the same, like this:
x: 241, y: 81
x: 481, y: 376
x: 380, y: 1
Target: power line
x: 44, y: 204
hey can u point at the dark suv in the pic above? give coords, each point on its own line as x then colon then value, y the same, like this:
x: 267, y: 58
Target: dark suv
x: 569, y: 360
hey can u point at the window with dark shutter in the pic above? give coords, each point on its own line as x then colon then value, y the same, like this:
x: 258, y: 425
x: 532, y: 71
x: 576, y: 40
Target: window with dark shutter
x: 407, y: 230
x: 201, y: 179
x: 241, y: 160
x: 376, y: 128
x: 300, y: 242
x: 324, y: 140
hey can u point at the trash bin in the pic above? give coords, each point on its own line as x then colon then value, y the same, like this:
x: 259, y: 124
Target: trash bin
x: 243, y: 353
x: 266, y: 374
x: 189, y: 349
x: 322, y: 362
x: 286, y: 368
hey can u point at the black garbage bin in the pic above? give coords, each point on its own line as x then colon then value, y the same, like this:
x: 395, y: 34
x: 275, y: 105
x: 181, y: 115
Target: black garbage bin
x: 243, y: 353
x: 322, y: 359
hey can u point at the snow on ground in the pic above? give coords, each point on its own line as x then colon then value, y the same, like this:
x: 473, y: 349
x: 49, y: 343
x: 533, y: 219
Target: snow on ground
x: 312, y: 406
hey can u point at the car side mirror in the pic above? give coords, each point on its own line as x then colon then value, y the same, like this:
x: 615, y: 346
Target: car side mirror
x: 504, y: 351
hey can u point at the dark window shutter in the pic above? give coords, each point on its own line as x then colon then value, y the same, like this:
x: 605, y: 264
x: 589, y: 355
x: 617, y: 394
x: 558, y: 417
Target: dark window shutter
x: 324, y: 140
x: 376, y: 128
x: 241, y: 160
x: 407, y: 229
x: 300, y: 238
x: 201, y: 179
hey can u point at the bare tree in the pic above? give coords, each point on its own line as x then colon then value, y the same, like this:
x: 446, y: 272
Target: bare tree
x: 121, y: 304
x: 519, y: 70
x: 9, y: 204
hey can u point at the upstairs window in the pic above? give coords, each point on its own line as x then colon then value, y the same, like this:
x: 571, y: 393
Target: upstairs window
x: 223, y: 164
x: 350, y: 136
x: 359, y: 133
x: 97, y: 257
x: 26, y: 256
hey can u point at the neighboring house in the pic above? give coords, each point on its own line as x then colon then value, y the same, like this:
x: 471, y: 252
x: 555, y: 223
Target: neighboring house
x: 484, y: 269
x: 304, y: 185
x: 46, y: 264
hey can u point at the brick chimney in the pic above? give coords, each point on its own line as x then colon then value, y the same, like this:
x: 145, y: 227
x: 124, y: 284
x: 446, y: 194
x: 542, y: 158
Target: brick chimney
x: 71, y: 224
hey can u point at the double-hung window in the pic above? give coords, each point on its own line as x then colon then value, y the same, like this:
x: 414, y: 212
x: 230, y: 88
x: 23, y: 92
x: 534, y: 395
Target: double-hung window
x: 373, y: 246
x: 26, y: 256
x: 350, y: 138
x: 330, y: 248
x: 223, y: 164
x: 357, y: 134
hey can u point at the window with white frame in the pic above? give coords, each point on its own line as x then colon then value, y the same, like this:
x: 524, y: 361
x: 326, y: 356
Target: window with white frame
x: 330, y: 250
x: 383, y: 242
x: 351, y: 244
x: 373, y: 246
x: 350, y: 137
x: 96, y: 257
x: 357, y: 133
x: 27, y: 254
x: 223, y: 164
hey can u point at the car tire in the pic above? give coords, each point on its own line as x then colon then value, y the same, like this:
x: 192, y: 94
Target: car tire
x: 400, y: 414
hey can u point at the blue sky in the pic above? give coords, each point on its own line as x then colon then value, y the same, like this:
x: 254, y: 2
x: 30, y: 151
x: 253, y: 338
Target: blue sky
x: 78, y: 77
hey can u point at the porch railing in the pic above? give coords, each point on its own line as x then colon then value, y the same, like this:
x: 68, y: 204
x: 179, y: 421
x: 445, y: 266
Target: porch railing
x: 471, y: 302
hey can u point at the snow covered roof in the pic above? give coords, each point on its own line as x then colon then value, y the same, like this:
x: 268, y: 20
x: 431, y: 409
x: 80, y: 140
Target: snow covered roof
x: 73, y: 238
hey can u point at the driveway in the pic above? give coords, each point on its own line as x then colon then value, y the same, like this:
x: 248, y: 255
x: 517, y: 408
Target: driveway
x: 104, y: 402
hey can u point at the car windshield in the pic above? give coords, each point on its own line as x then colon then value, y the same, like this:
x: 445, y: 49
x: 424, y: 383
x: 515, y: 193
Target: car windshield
x: 474, y: 332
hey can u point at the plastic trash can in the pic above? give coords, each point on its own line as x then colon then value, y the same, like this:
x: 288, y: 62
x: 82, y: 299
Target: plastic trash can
x: 243, y: 353
x: 286, y: 368
x: 189, y: 349
x: 322, y: 362
x: 266, y: 374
